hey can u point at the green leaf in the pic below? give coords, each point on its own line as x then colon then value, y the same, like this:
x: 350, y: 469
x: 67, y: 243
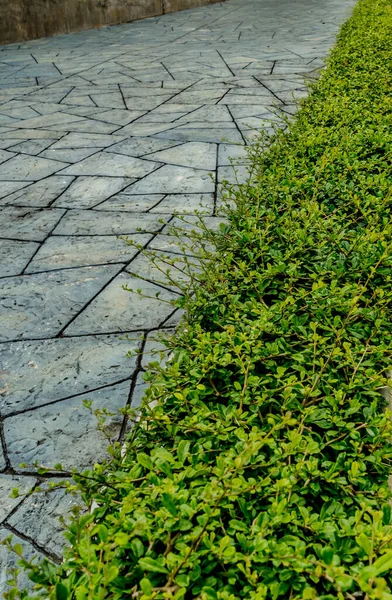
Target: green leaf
x: 384, y: 563
x: 149, y: 564
x: 183, y: 450
x: 144, y: 460
x: 145, y: 586
x: 327, y: 555
x: 61, y: 592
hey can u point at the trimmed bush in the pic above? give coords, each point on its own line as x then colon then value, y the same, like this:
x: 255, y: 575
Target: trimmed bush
x: 259, y: 467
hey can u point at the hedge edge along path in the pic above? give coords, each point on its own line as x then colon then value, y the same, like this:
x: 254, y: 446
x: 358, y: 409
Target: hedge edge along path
x: 261, y: 472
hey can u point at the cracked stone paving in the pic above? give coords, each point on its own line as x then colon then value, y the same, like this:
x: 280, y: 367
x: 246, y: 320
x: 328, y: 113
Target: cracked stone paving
x: 106, y: 133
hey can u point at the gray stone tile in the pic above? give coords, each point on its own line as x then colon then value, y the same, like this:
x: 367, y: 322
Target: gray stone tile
x: 2, y: 460
x: 166, y: 269
x: 128, y: 203
x: 85, y: 222
x: 78, y: 251
x: 29, y: 168
x: 86, y: 192
x: 10, y: 560
x: 68, y: 156
x: 185, y: 204
x: 235, y: 174
x: 141, y: 146
x: 42, y: 193
x: 86, y: 140
x: 175, y: 180
x: 39, y: 372
x: 198, y: 132
x: 39, y: 516
x: 14, y: 256
x: 65, y: 431
x: 7, y: 484
x: 118, y: 310
x: 29, y: 224
x: 39, y: 306
x: 230, y: 153
x: 5, y: 155
x: 155, y: 350
x: 33, y: 147
x: 193, y: 154
x: 113, y: 165
x: 9, y: 187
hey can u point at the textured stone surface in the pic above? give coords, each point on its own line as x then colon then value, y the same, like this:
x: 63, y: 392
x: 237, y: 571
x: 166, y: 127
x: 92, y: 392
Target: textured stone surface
x: 38, y: 518
x: 65, y: 431
x: 104, y: 133
x: 39, y: 306
x: 9, y: 560
x: 7, y: 484
x: 35, y: 373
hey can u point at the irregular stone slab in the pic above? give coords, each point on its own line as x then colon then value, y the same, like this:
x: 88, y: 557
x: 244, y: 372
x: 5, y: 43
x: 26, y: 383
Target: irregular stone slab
x: 85, y: 222
x: 2, y: 460
x: 140, y: 146
x: 29, y: 168
x: 7, y: 484
x: 60, y: 252
x: 116, y: 310
x: 208, y: 114
x: 36, y: 373
x: 160, y: 270
x: 8, y: 187
x: 154, y: 349
x: 232, y: 153
x: 86, y: 192
x: 68, y: 156
x: 42, y: 193
x: 86, y: 140
x: 39, y: 306
x: 14, y: 256
x: 33, y: 147
x: 131, y: 203
x: 171, y: 180
x: 4, y: 155
x: 48, y: 120
x: 65, y: 431
x: 193, y: 154
x: 113, y: 165
x: 190, y: 133
x: 38, y: 518
x: 28, y: 223
x: 185, y: 204
x: 9, y: 560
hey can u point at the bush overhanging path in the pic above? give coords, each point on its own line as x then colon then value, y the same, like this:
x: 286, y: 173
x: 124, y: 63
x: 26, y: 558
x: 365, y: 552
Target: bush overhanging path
x: 262, y: 471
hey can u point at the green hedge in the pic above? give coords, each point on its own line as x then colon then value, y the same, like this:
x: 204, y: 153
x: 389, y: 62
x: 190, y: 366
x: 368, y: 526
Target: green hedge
x: 262, y: 472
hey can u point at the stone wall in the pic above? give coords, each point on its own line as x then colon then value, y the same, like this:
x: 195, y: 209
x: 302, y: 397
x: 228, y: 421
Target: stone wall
x: 29, y: 19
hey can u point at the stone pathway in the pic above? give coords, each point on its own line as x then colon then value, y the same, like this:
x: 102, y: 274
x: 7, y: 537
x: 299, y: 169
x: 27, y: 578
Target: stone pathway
x: 106, y: 133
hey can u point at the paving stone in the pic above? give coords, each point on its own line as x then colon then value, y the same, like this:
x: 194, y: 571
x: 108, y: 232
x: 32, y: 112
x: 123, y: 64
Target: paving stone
x: 29, y: 168
x: 114, y: 165
x: 9, y: 560
x: 233, y: 174
x: 86, y: 140
x: 185, y: 204
x: 83, y: 222
x: 159, y: 269
x: 116, y: 310
x: 33, y: 147
x: 60, y: 252
x: 86, y: 192
x: 7, y: 484
x: 42, y: 193
x: 131, y: 203
x: 65, y: 431
x: 4, y: 155
x: 14, y: 256
x: 201, y: 133
x: 28, y: 223
x: 197, y: 155
x: 140, y: 146
x: 171, y: 180
x: 39, y: 372
x: 68, y: 156
x: 8, y: 187
x: 232, y: 154
x: 39, y: 306
x: 2, y: 460
x: 39, y: 518
x: 155, y: 350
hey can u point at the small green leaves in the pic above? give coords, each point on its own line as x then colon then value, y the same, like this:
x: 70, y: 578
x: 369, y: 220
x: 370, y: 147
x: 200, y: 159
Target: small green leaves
x: 155, y: 566
x: 61, y: 592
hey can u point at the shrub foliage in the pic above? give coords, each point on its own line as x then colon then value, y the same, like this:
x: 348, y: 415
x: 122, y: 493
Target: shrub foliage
x: 259, y: 467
